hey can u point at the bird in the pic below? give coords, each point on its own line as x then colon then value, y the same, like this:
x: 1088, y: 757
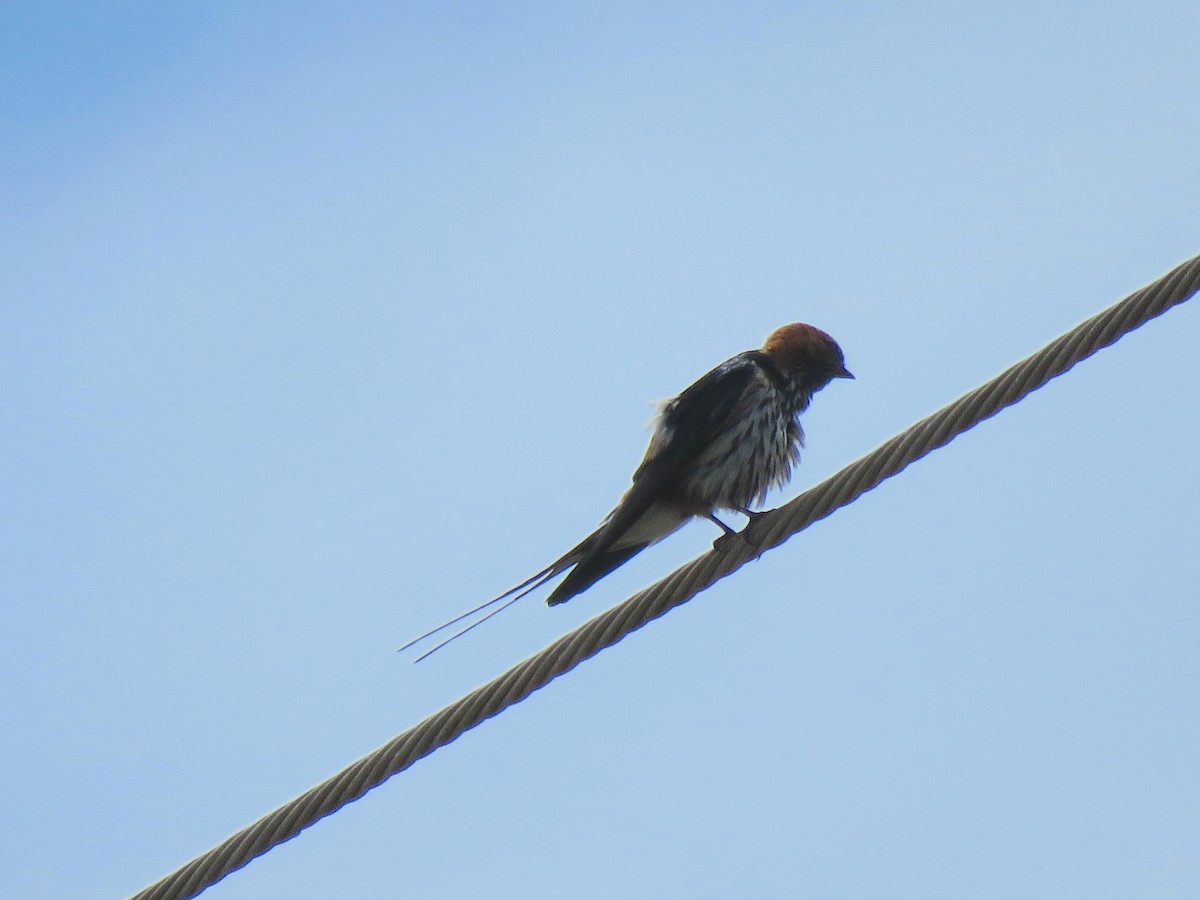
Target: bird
x: 721, y: 444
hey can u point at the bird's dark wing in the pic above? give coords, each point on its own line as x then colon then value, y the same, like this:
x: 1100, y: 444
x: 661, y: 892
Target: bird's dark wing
x: 687, y: 425
x: 694, y: 418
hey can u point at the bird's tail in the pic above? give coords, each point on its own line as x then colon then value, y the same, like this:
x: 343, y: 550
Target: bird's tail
x: 591, y: 569
x: 631, y: 528
x: 614, y: 543
x: 505, y: 600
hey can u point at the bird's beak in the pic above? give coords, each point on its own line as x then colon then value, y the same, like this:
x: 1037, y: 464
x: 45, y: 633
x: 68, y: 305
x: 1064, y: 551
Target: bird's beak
x: 845, y: 373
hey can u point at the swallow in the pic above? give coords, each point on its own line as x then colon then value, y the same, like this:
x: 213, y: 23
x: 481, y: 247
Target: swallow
x: 722, y: 444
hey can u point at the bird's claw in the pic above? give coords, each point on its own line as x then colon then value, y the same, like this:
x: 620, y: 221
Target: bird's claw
x: 722, y: 543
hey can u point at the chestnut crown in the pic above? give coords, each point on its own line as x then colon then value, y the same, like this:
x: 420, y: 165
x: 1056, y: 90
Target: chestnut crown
x: 805, y: 349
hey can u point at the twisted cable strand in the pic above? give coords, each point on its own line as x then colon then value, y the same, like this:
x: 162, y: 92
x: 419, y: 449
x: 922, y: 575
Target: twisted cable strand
x: 766, y: 532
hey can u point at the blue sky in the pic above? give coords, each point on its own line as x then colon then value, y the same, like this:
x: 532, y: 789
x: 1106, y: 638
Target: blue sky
x: 320, y: 325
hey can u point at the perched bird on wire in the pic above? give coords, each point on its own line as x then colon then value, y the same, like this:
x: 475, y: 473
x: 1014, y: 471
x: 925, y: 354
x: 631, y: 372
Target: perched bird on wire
x: 720, y: 445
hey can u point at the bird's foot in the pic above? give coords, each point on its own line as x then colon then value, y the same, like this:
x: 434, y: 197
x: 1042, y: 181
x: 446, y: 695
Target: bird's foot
x: 746, y: 534
x: 721, y: 543
x: 750, y: 532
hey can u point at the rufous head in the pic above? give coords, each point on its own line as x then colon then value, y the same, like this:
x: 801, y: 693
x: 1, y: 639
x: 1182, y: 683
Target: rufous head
x: 805, y: 349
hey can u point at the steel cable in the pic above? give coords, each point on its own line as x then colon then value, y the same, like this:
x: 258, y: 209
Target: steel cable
x: 766, y: 531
